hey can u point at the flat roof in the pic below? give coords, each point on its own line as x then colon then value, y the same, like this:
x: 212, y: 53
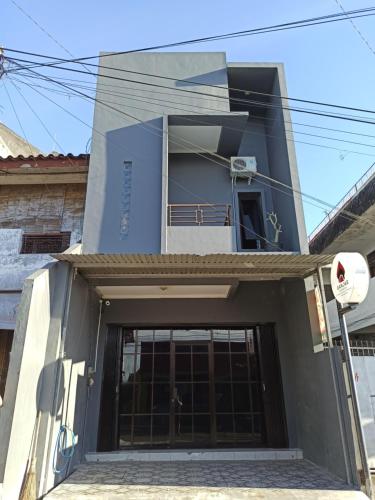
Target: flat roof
x: 245, y: 267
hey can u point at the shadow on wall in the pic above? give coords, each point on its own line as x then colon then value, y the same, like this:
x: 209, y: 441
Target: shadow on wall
x: 44, y: 410
x: 60, y: 449
x: 217, y: 77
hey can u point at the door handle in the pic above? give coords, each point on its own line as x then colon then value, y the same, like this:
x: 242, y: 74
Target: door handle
x: 264, y: 387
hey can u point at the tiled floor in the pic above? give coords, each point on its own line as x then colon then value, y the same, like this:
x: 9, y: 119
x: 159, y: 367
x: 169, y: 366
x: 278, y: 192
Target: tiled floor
x: 282, y: 480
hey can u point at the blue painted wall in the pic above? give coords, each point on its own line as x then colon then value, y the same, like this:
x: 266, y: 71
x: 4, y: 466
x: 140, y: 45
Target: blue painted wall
x: 126, y: 215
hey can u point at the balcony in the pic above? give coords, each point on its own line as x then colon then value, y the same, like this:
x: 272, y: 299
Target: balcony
x: 199, y: 228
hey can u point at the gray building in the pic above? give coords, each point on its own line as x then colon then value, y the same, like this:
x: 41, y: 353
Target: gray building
x: 339, y: 232
x: 185, y: 318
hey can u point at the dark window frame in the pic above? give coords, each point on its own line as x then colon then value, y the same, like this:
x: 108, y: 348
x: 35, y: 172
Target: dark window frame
x: 37, y: 243
x: 259, y: 232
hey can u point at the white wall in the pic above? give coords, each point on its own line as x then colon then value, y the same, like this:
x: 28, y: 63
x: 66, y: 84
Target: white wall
x: 364, y: 368
x: 54, y: 342
x: 36, y: 326
x: 14, y: 269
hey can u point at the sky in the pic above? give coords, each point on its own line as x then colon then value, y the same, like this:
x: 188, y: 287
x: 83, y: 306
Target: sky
x: 328, y: 63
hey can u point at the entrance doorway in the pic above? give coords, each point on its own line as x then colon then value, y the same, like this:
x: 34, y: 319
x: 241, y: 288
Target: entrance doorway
x: 187, y: 388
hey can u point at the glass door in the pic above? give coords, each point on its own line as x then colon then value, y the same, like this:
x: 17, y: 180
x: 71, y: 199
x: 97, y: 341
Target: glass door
x: 191, y: 409
x: 190, y: 388
x: 145, y: 388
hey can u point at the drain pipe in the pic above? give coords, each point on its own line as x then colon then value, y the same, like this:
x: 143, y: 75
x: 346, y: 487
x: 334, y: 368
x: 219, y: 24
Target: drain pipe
x: 97, y: 335
x: 92, y: 371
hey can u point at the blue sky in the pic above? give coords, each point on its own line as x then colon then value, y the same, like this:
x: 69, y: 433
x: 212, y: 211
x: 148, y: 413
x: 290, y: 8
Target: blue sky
x: 323, y: 63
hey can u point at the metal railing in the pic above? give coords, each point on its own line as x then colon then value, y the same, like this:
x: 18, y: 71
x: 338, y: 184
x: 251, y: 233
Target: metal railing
x: 199, y: 215
x: 359, y: 347
x: 366, y: 177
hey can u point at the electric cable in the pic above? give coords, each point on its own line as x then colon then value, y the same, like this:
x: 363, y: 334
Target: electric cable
x: 18, y: 120
x: 341, y: 116
x: 328, y: 18
x: 226, y: 160
x: 187, y: 104
x: 192, y: 82
x: 199, y: 120
x: 246, y: 132
x: 300, y: 193
x: 29, y: 16
x: 41, y: 122
x: 356, y: 29
x: 168, y: 177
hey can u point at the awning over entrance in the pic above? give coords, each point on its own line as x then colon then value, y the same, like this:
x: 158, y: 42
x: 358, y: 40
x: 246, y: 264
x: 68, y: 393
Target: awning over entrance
x: 243, y: 267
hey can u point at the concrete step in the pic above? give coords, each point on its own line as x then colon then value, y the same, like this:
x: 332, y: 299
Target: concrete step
x: 196, y: 454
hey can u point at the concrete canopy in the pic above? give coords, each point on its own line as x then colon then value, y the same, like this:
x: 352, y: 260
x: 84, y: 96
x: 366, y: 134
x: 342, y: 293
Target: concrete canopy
x: 209, y: 133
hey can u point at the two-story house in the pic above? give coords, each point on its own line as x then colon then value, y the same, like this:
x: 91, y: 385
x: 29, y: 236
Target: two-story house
x: 184, y: 319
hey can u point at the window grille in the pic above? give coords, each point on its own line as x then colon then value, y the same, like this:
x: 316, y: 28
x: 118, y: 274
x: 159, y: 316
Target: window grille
x: 45, y: 243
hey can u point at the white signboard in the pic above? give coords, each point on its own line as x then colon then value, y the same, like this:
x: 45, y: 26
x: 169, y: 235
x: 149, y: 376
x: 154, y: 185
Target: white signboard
x: 350, y: 278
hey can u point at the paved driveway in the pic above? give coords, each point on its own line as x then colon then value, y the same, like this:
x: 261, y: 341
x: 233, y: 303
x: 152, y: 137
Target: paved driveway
x: 281, y: 480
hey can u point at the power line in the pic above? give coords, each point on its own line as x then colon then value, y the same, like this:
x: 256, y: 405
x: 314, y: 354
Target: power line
x: 119, y: 93
x: 343, y: 215
x: 135, y: 118
x: 356, y: 29
x: 329, y: 18
x: 41, y: 122
x: 18, y: 120
x: 29, y: 16
x: 221, y: 158
x: 246, y: 132
x: 192, y: 82
x: 168, y: 177
x: 352, y: 118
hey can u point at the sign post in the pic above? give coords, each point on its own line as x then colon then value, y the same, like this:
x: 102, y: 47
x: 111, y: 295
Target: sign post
x: 350, y: 280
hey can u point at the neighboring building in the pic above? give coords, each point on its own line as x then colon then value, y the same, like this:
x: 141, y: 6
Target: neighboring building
x: 41, y: 211
x: 182, y: 321
x: 11, y: 144
x: 340, y: 232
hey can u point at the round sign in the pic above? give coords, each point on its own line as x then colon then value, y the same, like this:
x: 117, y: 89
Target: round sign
x: 350, y: 278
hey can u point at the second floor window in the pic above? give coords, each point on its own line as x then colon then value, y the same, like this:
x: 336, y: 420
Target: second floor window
x: 45, y: 243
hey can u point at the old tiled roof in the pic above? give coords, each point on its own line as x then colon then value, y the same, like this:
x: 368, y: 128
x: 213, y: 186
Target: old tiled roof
x: 51, y: 156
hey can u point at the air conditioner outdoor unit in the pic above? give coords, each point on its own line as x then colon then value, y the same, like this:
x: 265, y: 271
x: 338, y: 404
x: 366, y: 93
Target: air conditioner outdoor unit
x: 243, y: 166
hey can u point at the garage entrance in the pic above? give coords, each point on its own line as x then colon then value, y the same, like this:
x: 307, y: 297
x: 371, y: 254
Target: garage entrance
x: 176, y: 388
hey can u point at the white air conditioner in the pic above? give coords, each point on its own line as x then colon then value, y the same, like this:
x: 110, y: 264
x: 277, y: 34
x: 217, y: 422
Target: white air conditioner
x: 243, y: 166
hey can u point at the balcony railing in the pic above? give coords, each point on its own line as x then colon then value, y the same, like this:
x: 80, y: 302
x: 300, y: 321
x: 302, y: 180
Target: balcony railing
x: 199, y: 215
